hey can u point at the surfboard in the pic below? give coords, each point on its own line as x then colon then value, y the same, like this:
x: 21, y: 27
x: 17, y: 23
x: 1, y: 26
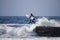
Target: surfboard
x: 27, y: 15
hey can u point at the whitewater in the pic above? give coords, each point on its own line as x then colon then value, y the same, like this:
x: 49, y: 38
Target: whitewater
x: 26, y: 31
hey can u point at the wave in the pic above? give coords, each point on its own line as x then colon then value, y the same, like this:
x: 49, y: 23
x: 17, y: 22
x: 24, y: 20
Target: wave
x: 26, y: 30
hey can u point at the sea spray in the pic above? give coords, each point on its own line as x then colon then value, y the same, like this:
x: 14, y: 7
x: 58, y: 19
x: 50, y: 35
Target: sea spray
x: 27, y: 30
x: 45, y: 22
x: 55, y: 23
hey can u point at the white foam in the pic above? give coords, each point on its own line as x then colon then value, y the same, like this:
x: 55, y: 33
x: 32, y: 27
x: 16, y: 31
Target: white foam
x: 45, y: 22
x: 26, y: 30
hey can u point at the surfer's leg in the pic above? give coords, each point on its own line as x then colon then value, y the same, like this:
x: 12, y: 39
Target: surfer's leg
x: 29, y: 21
x: 33, y: 21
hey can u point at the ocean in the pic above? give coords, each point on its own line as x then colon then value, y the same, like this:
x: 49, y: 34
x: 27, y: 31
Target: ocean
x: 22, y: 19
x: 18, y: 27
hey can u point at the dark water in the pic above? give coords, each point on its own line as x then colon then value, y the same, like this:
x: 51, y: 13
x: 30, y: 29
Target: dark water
x: 22, y: 19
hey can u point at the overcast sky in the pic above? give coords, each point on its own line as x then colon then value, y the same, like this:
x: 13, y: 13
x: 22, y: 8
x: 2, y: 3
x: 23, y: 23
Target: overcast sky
x: 22, y: 7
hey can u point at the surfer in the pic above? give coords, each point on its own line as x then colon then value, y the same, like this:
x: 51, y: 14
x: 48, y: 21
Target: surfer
x: 31, y: 18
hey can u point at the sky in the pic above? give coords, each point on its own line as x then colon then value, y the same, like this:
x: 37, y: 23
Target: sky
x: 23, y: 7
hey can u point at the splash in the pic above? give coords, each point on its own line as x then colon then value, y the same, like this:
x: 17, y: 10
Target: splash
x: 45, y: 22
x: 27, y: 30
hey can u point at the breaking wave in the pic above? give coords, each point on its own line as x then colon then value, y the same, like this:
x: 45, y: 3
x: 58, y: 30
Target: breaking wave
x: 26, y: 30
